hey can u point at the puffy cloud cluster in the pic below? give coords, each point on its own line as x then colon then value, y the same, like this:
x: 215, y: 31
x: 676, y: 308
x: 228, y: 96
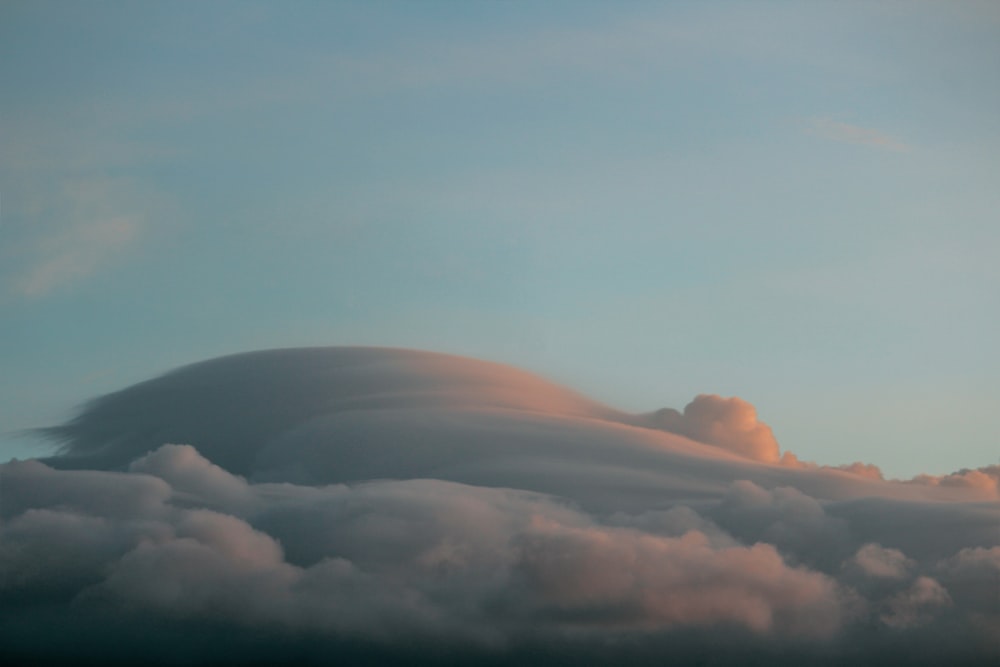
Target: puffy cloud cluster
x: 729, y: 423
x: 874, y: 560
x: 399, y: 507
x: 179, y: 537
x: 982, y: 482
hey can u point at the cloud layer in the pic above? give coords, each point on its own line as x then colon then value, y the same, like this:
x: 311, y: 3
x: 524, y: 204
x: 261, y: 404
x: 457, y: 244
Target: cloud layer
x: 389, y: 506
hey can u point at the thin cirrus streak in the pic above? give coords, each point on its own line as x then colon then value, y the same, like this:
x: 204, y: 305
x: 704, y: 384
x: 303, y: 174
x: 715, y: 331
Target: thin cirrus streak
x: 76, y: 232
x: 835, y: 130
x: 390, y: 506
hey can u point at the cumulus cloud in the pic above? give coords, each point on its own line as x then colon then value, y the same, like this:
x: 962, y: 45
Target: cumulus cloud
x: 577, y: 575
x: 786, y: 517
x: 917, y: 605
x: 875, y: 560
x: 972, y: 577
x: 982, y: 482
x: 729, y: 423
x: 393, y: 507
x: 433, y: 556
x: 190, y: 475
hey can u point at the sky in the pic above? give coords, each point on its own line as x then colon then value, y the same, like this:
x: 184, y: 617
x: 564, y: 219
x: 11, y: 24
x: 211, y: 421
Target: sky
x: 795, y: 204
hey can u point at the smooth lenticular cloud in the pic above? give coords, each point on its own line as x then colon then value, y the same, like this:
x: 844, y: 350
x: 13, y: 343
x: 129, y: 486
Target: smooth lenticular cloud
x: 399, y: 507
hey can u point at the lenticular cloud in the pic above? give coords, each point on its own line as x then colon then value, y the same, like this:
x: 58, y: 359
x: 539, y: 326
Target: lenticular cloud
x: 376, y: 506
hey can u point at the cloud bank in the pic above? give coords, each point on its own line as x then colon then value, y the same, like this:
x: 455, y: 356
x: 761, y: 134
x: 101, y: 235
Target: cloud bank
x: 380, y: 506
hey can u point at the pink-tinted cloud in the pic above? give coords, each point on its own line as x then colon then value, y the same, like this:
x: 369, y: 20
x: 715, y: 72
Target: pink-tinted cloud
x: 854, y: 134
x: 981, y: 482
x: 729, y: 423
x: 423, y: 550
x: 577, y: 573
x: 414, y: 503
x: 868, y: 470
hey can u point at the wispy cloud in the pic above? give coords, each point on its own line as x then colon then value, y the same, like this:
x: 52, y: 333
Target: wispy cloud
x: 835, y: 130
x: 70, y: 236
x: 77, y: 252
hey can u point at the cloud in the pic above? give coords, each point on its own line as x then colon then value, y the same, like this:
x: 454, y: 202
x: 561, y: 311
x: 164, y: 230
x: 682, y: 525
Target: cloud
x: 869, y: 470
x: 983, y: 482
x: 834, y: 130
x: 796, y: 523
x: 72, y: 234
x: 436, y: 557
x: 190, y: 474
x: 917, y: 605
x: 973, y: 577
x: 875, y: 560
x: 576, y: 575
x: 76, y: 253
x: 730, y: 423
x: 395, y: 507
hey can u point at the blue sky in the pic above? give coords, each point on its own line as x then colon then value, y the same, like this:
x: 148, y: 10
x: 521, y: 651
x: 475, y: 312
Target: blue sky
x: 792, y: 203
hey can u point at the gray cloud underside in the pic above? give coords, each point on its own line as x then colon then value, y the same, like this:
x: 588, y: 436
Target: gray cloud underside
x: 394, y: 506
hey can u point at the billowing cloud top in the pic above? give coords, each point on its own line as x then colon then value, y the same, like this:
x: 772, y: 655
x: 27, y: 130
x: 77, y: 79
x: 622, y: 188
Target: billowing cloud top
x: 390, y: 506
x: 730, y: 423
